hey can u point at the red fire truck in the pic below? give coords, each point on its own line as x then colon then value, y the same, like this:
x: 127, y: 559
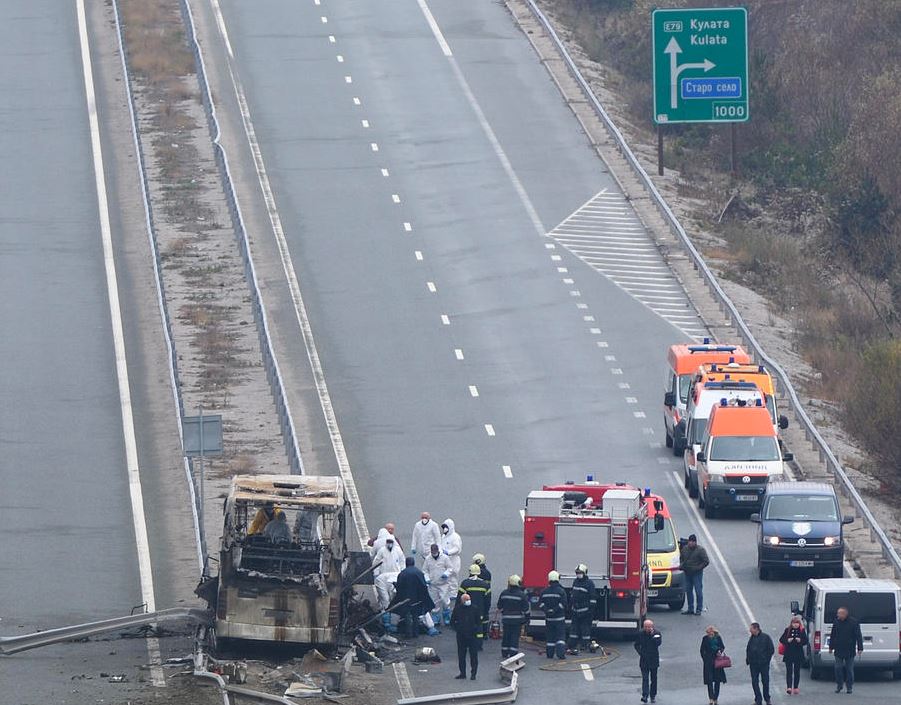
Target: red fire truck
x: 602, y: 526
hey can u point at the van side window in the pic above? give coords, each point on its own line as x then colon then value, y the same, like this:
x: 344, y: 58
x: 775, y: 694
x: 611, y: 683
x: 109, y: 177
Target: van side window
x: 865, y: 607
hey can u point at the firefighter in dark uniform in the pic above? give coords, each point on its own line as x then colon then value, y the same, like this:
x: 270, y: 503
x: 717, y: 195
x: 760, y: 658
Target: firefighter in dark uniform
x: 514, y: 607
x: 480, y: 592
x: 583, y: 600
x: 553, y: 603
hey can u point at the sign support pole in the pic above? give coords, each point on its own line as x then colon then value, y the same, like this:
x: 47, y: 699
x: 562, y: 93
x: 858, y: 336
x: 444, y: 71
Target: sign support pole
x: 732, y: 152
x: 659, y: 150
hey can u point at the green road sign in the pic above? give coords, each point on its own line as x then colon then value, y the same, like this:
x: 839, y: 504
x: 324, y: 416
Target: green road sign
x: 700, y: 65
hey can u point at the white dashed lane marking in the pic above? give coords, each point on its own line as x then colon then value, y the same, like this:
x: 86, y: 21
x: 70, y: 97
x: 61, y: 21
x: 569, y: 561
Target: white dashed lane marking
x: 473, y: 390
x: 489, y: 429
x: 445, y: 320
x: 458, y: 353
x: 432, y: 287
x: 606, y: 234
x: 508, y: 472
x: 408, y: 227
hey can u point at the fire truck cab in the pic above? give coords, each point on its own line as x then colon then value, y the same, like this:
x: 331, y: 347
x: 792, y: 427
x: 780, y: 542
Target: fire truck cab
x: 603, y: 526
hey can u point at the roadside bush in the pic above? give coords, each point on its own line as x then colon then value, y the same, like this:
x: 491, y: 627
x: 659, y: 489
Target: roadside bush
x: 872, y: 405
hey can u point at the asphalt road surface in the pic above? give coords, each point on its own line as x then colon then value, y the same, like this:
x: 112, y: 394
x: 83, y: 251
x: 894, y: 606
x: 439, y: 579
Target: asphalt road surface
x: 418, y: 159
x: 68, y: 553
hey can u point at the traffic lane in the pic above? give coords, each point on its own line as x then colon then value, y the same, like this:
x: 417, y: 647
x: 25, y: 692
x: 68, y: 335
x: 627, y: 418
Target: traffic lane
x: 66, y: 513
x: 547, y: 147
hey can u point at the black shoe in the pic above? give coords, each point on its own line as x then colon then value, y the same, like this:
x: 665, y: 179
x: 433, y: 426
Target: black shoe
x: 643, y: 699
x: 848, y: 691
x: 460, y: 677
x: 697, y: 612
x: 473, y: 676
x: 653, y: 699
x: 838, y: 689
x: 688, y: 612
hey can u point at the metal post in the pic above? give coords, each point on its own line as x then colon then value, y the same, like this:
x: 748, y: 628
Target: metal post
x: 200, y: 413
x: 732, y: 160
x: 659, y: 150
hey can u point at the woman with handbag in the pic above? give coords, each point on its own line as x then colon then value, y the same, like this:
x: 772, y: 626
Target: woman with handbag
x: 715, y: 662
x: 791, y: 646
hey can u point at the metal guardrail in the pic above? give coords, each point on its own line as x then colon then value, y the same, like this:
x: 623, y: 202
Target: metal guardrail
x: 269, y: 359
x: 813, y: 435
x: 199, y: 533
x: 24, y: 642
x: 507, y: 694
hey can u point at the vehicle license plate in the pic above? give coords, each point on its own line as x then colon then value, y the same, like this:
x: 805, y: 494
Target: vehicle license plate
x: 801, y: 564
x: 746, y: 498
x: 653, y: 593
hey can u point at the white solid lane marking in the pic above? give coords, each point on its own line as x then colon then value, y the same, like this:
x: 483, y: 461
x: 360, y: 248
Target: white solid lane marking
x: 586, y: 671
x: 220, y: 23
x: 458, y: 353
x: 418, y: 255
x: 136, y: 495
x: 403, y: 680
x: 364, y: 123
x: 374, y: 146
x: 473, y: 390
x: 385, y: 172
x: 719, y: 565
x: 445, y: 320
x: 436, y: 30
x: 395, y: 198
x: 489, y: 429
x: 408, y: 227
x: 357, y: 101
x: 432, y: 287
x: 508, y: 472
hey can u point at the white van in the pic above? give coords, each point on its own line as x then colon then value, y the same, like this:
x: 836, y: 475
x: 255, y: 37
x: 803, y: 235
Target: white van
x: 701, y: 401
x: 876, y: 604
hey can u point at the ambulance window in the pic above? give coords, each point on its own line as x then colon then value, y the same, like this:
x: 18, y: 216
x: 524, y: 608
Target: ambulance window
x: 737, y: 448
x: 663, y: 541
x: 771, y: 405
x: 865, y: 607
x: 684, y: 386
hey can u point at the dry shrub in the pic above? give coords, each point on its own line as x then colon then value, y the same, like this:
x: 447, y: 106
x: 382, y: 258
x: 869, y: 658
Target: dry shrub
x: 156, y: 41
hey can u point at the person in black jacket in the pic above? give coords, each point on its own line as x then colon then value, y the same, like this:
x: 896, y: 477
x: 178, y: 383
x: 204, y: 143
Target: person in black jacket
x: 845, y: 635
x: 711, y: 646
x: 480, y: 592
x: 647, y: 644
x: 411, y: 586
x: 758, y: 655
x: 583, y: 599
x: 514, y: 607
x: 467, y: 621
x: 553, y: 603
x: 793, y: 641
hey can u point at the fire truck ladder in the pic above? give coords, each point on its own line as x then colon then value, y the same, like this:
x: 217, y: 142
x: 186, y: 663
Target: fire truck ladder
x: 619, y: 549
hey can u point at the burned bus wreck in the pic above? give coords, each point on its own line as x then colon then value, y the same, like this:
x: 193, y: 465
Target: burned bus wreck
x: 283, y: 560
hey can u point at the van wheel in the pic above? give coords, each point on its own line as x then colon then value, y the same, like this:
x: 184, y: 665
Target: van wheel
x: 692, y: 487
x: 676, y: 604
x: 669, y: 440
x: 709, y: 511
x: 896, y: 673
x: 686, y: 479
x: 762, y: 573
x: 815, y: 673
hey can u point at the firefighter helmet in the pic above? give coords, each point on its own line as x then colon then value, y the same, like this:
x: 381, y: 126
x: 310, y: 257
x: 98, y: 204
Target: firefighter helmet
x: 582, y: 568
x: 478, y: 559
x: 514, y: 580
x: 553, y: 576
x: 475, y: 570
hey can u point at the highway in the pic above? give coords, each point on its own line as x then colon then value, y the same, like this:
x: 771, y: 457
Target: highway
x: 419, y: 154
x: 70, y: 552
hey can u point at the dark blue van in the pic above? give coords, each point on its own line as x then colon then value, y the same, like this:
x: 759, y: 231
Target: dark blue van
x: 800, y: 529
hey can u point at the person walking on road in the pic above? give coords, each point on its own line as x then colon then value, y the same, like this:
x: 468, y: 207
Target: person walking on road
x: 451, y: 546
x: 425, y: 533
x: 438, y: 569
x: 514, y: 608
x: 758, y: 655
x: 583, y: 600
x: 843, y: 639
x: 712, y: 645
x: 467, y: 622
x: 479, y: 592
x: 553, y: 603
x: 793, y: 641
x: 647, y: 644
x: 694, y: 560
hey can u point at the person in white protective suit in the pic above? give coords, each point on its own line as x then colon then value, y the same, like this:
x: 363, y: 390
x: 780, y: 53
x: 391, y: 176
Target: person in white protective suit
x: 425, y: 533
x: 376, y: 543
x: 452, y: 546
x: 438, y: 569
x: 389, y: 561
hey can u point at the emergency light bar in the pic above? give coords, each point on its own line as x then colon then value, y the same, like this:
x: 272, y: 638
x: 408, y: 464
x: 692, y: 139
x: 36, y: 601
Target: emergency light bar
x: 711, y: 348
x: 730, y: 385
